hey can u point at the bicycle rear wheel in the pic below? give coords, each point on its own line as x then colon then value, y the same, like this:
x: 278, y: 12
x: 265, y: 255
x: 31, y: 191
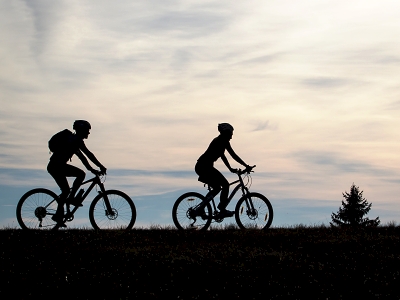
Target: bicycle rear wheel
x: 35, y: 209
x: 122, y: 216
x: 183, y: 212
x: 254, y: 211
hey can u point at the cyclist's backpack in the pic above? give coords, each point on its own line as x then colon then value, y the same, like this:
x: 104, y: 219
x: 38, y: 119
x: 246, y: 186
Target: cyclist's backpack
x: 59, y: 141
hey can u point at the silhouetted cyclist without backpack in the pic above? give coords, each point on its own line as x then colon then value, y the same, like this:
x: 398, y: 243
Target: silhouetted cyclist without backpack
x: 210, y: 175
x: 253, y: 209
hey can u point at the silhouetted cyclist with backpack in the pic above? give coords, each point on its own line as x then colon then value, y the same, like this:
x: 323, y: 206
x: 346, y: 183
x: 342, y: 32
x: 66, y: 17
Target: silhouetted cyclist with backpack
x: 210, y: 175
x: 64, y: 145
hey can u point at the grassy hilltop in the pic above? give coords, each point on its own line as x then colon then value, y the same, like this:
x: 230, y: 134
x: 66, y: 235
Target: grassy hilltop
x: 296, y: 263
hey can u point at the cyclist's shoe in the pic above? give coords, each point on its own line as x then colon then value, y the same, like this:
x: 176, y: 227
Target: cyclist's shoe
x: 69, y: 216
x: 59, y: 220
x: 225, y: 214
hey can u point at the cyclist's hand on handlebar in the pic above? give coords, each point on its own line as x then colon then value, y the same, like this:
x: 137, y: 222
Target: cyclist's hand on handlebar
x: 249, y: 168
x: 103, y: 170
x: 98, y: 173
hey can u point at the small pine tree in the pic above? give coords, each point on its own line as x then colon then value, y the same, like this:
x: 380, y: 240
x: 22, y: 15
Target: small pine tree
x: 355, y: 207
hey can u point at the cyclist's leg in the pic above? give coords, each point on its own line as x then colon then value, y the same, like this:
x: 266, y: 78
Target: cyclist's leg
x: 72, y: 171
x: 56, y: 171
x: 207, y: 174
x: 210, y: 195
x: 220, y: 180
x: 218, y: 183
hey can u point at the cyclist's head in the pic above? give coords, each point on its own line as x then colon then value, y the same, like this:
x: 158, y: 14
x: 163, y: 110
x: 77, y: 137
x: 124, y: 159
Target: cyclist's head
x: 82, y: 128
x: 81, y: 124
x: 225, y: 129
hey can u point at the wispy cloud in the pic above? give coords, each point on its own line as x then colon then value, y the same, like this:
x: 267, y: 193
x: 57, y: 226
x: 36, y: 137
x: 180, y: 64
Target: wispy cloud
x: 337, y: 163
x: 264, y: 125
x: 325, y: 82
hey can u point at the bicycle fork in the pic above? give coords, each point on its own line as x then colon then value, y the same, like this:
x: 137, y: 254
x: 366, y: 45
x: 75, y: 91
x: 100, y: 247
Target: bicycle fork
x: 249, y: 203
x: 251, y: 211
x: 109, y: 210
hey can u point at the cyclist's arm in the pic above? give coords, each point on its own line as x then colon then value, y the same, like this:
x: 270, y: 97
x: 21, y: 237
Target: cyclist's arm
x: 235, y: 156
x: 226, y: 162
x: 93, y: 158
x: 84, y: 160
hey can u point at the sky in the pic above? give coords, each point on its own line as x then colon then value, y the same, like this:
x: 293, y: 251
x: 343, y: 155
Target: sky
x: 311, y: 88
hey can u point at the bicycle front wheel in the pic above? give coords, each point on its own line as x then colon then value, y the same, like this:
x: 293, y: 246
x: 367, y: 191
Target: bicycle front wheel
x: 121, y: 216
x: 35, y: 209
x: 183, y: 212
x: 254, y: 211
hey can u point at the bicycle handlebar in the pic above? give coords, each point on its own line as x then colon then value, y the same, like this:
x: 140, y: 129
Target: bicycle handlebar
x: 98, y: 173
x: 248, y: 170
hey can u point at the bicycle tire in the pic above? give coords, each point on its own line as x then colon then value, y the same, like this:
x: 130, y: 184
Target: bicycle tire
x: 124, y: 210
x: 35, y: 209
x: 260, y: 218
x: 181, y: 212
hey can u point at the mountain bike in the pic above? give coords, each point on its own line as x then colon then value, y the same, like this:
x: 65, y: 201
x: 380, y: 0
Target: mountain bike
x: 111, y: 209
x: 253, y: 210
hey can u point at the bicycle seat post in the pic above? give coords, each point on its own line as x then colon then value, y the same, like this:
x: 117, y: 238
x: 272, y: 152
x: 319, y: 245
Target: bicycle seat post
x: 68, y: 209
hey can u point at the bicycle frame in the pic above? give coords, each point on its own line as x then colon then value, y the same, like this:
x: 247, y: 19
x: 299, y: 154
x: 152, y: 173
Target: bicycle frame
x: 193, y: 210
x: 94, y: 181
x: 240, y: 185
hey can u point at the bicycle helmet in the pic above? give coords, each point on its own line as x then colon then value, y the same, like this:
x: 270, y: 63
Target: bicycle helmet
x: 225, y: 127
x: 81, y: 124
